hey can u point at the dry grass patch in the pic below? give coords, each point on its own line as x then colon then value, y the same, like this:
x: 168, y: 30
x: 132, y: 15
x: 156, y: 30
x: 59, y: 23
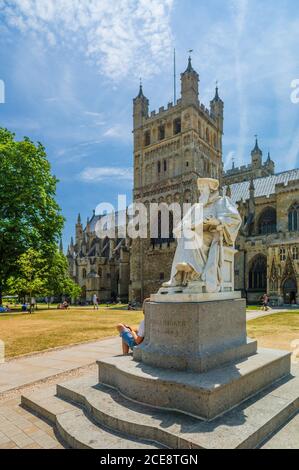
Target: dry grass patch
x: 275, y: 331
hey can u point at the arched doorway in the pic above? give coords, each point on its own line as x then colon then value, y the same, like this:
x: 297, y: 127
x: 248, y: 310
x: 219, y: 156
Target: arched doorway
x: 290, y: 291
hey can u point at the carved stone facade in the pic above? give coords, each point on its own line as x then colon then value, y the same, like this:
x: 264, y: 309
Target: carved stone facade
x: 99, y: 266
x: 268, y: 244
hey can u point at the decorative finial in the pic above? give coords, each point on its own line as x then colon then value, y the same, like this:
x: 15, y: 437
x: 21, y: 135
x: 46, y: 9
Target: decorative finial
x: 233, y: 163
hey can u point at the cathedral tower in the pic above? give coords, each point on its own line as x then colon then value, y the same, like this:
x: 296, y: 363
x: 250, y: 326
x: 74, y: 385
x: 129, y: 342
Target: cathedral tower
x: 172, y: 148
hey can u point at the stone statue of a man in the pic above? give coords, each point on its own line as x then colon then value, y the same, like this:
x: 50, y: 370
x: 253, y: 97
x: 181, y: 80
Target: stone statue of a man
x: 221, y: 223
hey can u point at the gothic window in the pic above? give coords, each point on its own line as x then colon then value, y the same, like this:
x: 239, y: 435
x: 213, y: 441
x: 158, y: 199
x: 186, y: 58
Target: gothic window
x: 294, y: 218
x: 295, y: 253
x: 159, y: 167
x: 147, y: 138
x: 84, y: 273
x: 161, y: 132
x: 267, y: 222
x: 161, y: 276
x: 207, y: 135
x: 282, y: 254
x: 177, y: 126
x: 258, y: 273
x: 187, y: 164
x: 165, y: 165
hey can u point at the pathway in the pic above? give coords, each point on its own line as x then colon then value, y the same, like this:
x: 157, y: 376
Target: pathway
x: 27, y: 370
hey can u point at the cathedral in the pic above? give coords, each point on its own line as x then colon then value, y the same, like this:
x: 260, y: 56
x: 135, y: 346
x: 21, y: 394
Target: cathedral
x: 172, y: 148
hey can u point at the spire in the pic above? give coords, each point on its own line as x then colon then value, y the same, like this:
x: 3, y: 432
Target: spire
x: 189, y: 85
x: 189, y: 68
x: 268, y: 158
x: 251, y: 185
x: 140, y: 94
x: 217, y: 97
x: 72, y: 242
x: 79, y: 219
x: 256, y: 148
x: 61, y: 246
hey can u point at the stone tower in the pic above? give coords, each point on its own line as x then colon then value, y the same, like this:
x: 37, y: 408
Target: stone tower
x: 172, y: 148
x: 256, y: 156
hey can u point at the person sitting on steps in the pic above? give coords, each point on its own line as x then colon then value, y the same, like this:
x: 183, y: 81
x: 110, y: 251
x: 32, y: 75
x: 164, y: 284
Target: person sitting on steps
x: 131, y: 337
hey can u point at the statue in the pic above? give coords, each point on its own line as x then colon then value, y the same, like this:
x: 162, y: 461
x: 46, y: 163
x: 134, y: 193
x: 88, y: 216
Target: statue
x: 221, y: 223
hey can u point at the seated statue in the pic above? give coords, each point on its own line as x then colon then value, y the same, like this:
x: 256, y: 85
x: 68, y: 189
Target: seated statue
x: 203, y: 262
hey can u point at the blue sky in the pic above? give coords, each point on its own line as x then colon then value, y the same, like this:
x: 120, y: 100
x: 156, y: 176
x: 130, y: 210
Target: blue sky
x: 72, y: 67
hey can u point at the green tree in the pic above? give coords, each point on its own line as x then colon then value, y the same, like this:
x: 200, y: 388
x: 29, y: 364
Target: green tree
x: 29, y: 215
x: 31, y: 278
x: 58, y: 280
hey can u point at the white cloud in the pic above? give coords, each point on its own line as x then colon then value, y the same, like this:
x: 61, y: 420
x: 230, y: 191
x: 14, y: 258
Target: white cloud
x: 94, y: 175
x: 120, y: 132
x: 127, y: 37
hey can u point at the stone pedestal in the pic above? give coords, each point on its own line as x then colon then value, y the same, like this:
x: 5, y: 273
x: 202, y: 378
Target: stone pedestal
x: 195, y: 336
x: 195, y: 358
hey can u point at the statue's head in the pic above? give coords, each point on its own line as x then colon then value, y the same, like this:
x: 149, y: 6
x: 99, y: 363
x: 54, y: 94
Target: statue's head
x: 206, y: 186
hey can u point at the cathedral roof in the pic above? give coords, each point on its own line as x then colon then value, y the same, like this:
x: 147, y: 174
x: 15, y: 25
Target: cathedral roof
x: 263, y: 186
x: 119, y: 217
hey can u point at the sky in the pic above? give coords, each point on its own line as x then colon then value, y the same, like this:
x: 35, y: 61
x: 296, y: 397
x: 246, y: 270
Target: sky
x: 72, y: 67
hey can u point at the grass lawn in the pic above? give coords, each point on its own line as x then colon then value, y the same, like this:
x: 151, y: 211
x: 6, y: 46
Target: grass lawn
x: 44, y: 329
x: 275, y: 331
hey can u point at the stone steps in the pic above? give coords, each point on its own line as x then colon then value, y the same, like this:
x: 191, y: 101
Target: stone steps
x: 207, y: 395
x: 76, y: 429
x: 110, y: 409
x: 109, y: 416
x: 244, y: 427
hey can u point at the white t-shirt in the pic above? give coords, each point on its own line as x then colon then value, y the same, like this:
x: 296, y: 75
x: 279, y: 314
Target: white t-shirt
x: 141, y: 330
x: 95, y: 299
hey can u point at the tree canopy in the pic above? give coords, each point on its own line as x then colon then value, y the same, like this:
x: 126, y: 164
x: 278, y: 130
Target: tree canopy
x: 30, y: 217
